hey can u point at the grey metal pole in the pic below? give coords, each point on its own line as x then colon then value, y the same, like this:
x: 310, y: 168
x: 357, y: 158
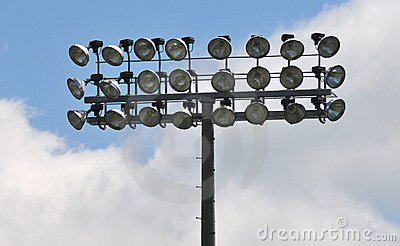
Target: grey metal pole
x: 207, y: 176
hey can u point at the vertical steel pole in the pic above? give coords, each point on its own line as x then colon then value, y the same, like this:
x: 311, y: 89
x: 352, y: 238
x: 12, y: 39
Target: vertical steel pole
x: 207, y: 176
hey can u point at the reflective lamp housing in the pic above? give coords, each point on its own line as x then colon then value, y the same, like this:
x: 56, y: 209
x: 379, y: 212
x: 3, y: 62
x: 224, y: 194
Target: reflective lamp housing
x: 335, y: 109
x: 294, y: 113
x: 79, y: 54
x: 115, y: 119
x: 291, y: 77
x: 223, y: 81
x: 76, y: 87
x: 149, y: 81
x: 220, y: 48
x: 328, y: 46
x: 113, y: 55
x: 110, y: 88
x: 77, y: 118
x: 176, y: 49
x: 182, y: 120
x: 180, y: 80
x: 257, y: 47
x: 292, y: 49
x: 258, y: 78
x: 145, y: 49
x: 335, y: 76
x: 256, y: 113
x: 149, y: 116
x: 223, y: 117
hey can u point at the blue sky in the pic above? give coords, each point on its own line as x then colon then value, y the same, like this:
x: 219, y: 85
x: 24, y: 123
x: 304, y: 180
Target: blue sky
x: 36, y: 35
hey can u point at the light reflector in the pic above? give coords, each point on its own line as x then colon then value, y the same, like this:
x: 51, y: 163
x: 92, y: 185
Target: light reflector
x: 258, y: 78
x: 113, y: 55
x: 182, y: 120
x: 77, y: 118
x: 115, y: 119
x: 176, y: 49
x: 257, y: 47
x: 223, y: 117
x: 220, y: 48
x: 328, y: 46
x: 256, y: 113
x: 76, y: 87
x: 180, y: 80
x: 335, y: 76
x: 335, y: 109
x: 79, y: 54
x: 292, y: 49
x: 294, y: 113
x: 291, y: 77
x: 149, y: 116
x: 149, y: 81
x: 223, y: 81
x: 110, y: 88
x: 145, y: 49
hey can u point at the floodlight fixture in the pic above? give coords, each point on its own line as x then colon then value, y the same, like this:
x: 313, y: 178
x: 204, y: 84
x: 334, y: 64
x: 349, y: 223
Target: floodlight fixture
x: 79, y: 54
x: 291, y: 77
x: 292, y: 49
x: 176, y: 49
x: 328, y: 46
x: 335, y: 109
x: 223, y: 117
x: 182, y: 120
x: 77, y: 118
x: 110, y: 88
x: 76, y: 87
x: 257, y: 46
x: 180, y: 80
x: 335, y: 76
x: 145, y: 49
x: 223, y: 81
x: 149, y: 116
x: 258, y: 78
x: 294, y: 113
x: 149, y: 81
x: 113, y: 55
x: 115, y: 119
x: 220, y: 47
x: 256, y: 113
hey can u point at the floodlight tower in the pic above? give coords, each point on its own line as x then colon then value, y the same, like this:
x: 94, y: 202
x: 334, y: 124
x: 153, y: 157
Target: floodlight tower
x: 149, y: 105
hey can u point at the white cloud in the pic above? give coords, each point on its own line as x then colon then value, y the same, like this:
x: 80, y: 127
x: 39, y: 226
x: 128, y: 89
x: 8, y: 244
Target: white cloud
x: 302, y: 176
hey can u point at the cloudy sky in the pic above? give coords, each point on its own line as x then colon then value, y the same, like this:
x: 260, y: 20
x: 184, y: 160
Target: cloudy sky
x: 59, y: 186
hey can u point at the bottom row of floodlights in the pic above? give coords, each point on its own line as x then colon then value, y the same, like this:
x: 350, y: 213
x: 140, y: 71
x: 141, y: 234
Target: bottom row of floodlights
x: 256, y: 113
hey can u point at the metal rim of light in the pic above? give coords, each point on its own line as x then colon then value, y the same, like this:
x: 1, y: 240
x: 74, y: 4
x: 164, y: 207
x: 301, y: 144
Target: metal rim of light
x: 79, y: 54
x: 257, y: 46
x: 182, y: 120
x: 145, y: 78
x: 76, y: 87
x: 113, y: 55
x: 328, y: 46
x: 180, y: 80
x: 335, y: 109
x: 294, y: 113
x: 146, y: 46
x: 176, y: 49
x: 291, y: 77
x: 220, y: 48
x: 223, y: 81
x: 115, y: 119
x: 292, y: 49
x: 110, y: 88
x: 223, y: 117
x: 149, y: 116
x: 258, y: 78
x: 256, y: 113
x: 335, y: 76
x: 77, y: 118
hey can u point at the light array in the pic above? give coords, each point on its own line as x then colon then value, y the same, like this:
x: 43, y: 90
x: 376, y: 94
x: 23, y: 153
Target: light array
x: 147, y: 95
